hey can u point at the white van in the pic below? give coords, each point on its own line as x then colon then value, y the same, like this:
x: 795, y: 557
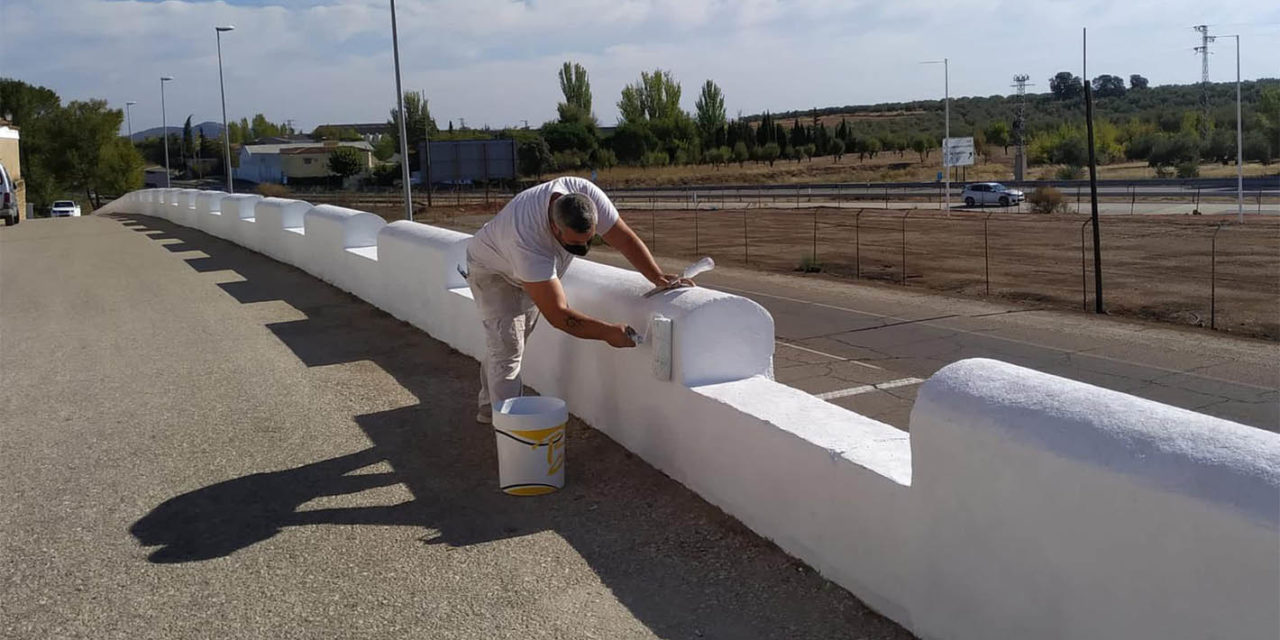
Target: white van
x: 8, y: 199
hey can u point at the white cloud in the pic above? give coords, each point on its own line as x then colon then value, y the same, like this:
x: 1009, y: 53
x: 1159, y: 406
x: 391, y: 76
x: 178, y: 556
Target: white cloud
x: 494, y: 61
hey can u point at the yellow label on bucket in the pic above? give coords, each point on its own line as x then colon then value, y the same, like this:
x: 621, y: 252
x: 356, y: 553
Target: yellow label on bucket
x: 552, y: 439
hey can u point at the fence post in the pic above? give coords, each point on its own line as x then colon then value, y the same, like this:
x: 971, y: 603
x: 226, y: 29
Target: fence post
x: 1077, y: 198
x: 1133, y: 197
x: 904, y: 246
x: 746, y: 241
x: 653, y: 229
x: 815, y: 237
x: 695, y: 232
x: 857, y: 244
x: 1212, y: 278
x: 1084, y: 280
x: 986, y: 252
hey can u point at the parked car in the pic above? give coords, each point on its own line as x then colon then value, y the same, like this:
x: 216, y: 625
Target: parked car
x: 64, y: 209
x: 8, y: 199
x: 984, y: 193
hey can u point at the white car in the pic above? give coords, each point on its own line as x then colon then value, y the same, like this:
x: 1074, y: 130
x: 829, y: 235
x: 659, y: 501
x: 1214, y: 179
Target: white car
x: 64, y: 209
x: 984, y: 193
x: 8, y: 199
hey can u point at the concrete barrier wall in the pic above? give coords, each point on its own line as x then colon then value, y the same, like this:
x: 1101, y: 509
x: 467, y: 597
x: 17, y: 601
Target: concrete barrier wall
x: 1021, y: 505
x: 1055, y: 508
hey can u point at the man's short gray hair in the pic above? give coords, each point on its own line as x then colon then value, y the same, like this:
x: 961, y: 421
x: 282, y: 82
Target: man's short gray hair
x: 574, y: 211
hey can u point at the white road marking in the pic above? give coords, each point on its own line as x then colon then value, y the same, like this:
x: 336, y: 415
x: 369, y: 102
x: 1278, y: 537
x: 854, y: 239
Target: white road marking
x: 868, y: 388
x: 828, y: 355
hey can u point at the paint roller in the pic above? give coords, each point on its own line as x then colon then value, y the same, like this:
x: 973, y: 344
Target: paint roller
x: 702, y: 266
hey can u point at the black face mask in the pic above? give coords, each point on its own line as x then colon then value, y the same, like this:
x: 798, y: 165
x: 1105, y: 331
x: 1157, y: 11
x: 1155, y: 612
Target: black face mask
x: 576, y: 249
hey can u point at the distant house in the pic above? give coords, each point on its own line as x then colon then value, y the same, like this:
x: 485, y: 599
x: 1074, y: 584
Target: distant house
x: 281, y: 163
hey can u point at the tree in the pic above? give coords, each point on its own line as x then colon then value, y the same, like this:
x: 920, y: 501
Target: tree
x: 837, y: 149
x: 576, y: 87
x: 874, y: 146
x: 1137, y: 82
x: 1257, y: 148
x: 655, y: 97
x: 740, y: 153
x: 1066, y: 86
x: 417, y: 121
x: 998, y: 134
x: 770, y: 152
x: 921, y: 145
x: 188, y: 148
x: 330, y: 132
x: 710, y: 113
x: 28, y: 108
x: 119, y: 169
x: 76, y: 137
x: 534, y: 157
x: 1108, y: 86
x: 346, y: 162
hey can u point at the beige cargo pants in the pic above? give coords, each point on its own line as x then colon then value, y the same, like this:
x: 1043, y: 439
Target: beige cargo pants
x: 509, y: 317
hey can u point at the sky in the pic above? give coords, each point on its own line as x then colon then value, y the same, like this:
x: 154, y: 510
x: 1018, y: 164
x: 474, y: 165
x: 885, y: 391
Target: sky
x: 494, y: 62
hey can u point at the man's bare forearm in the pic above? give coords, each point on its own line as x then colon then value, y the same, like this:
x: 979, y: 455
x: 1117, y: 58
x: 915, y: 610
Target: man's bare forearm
x: 627, y: 243
x: 581, y: 325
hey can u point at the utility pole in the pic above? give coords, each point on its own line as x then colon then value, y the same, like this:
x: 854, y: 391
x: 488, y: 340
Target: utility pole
x: 1203, y: 50
x: 1093, y: 182
x: 1019, y: 124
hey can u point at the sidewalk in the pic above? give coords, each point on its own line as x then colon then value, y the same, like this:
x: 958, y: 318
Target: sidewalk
x: 200, y: 442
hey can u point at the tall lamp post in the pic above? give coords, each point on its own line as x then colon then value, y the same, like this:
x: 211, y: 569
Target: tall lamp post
x: 128, y: 117
x: 164, y: 127
x: 226, y: 134
x: 404, y: 136
x: 946, y: 102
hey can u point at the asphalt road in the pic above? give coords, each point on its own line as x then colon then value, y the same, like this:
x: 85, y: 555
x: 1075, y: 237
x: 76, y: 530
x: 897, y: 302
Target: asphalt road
x: 867, y: 347
x: 199, y: 442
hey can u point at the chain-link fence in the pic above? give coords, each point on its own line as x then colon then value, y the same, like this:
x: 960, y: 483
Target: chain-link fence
x: 1204, y: 271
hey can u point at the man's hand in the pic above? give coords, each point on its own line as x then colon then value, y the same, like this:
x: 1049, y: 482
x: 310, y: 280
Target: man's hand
x: 672, y: 280
x: 617, y: 337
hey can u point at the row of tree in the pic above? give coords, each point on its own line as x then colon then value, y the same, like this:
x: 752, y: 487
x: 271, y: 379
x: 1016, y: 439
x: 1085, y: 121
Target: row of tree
x: 1134, y: 122
x: 69, y: 149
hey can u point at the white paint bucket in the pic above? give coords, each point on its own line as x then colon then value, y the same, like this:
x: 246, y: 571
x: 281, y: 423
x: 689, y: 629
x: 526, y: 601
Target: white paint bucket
x: 531, y: 436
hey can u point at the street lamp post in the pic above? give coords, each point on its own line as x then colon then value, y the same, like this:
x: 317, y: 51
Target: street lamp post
x: 128, y: 117
x: 946, y: 102
x: 226, y: 134
x: 404, y: 136
x: 164, y: 128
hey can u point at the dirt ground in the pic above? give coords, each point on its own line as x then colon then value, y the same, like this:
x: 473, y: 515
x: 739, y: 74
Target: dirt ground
x: 885, y: 167
x: 1154, y: 267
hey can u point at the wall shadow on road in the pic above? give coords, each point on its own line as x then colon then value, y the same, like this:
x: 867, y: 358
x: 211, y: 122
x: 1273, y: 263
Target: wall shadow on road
x: 680, y: 565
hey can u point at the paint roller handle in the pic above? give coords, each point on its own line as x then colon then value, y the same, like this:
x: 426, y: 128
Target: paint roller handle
x: 702, y: 266
x: 634, y: 335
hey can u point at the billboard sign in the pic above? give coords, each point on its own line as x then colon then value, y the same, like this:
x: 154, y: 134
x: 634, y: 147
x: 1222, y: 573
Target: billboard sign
x: 957, y: 152
x: 467, y: 161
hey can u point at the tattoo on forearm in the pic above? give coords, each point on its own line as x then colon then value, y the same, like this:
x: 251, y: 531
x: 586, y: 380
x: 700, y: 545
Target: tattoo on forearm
x: 572, y: 322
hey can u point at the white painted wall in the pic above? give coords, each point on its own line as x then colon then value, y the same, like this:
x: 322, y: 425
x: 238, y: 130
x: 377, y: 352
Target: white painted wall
x: 1021, y: 505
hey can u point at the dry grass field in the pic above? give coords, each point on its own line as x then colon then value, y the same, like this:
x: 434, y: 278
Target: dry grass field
x: 1154, y: 267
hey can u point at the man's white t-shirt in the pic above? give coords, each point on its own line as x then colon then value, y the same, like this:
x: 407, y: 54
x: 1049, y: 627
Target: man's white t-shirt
x: 517, y: 243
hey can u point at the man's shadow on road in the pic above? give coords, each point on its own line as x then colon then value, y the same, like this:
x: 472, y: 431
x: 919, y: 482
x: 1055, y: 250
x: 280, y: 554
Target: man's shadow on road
x: 678, y: 563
